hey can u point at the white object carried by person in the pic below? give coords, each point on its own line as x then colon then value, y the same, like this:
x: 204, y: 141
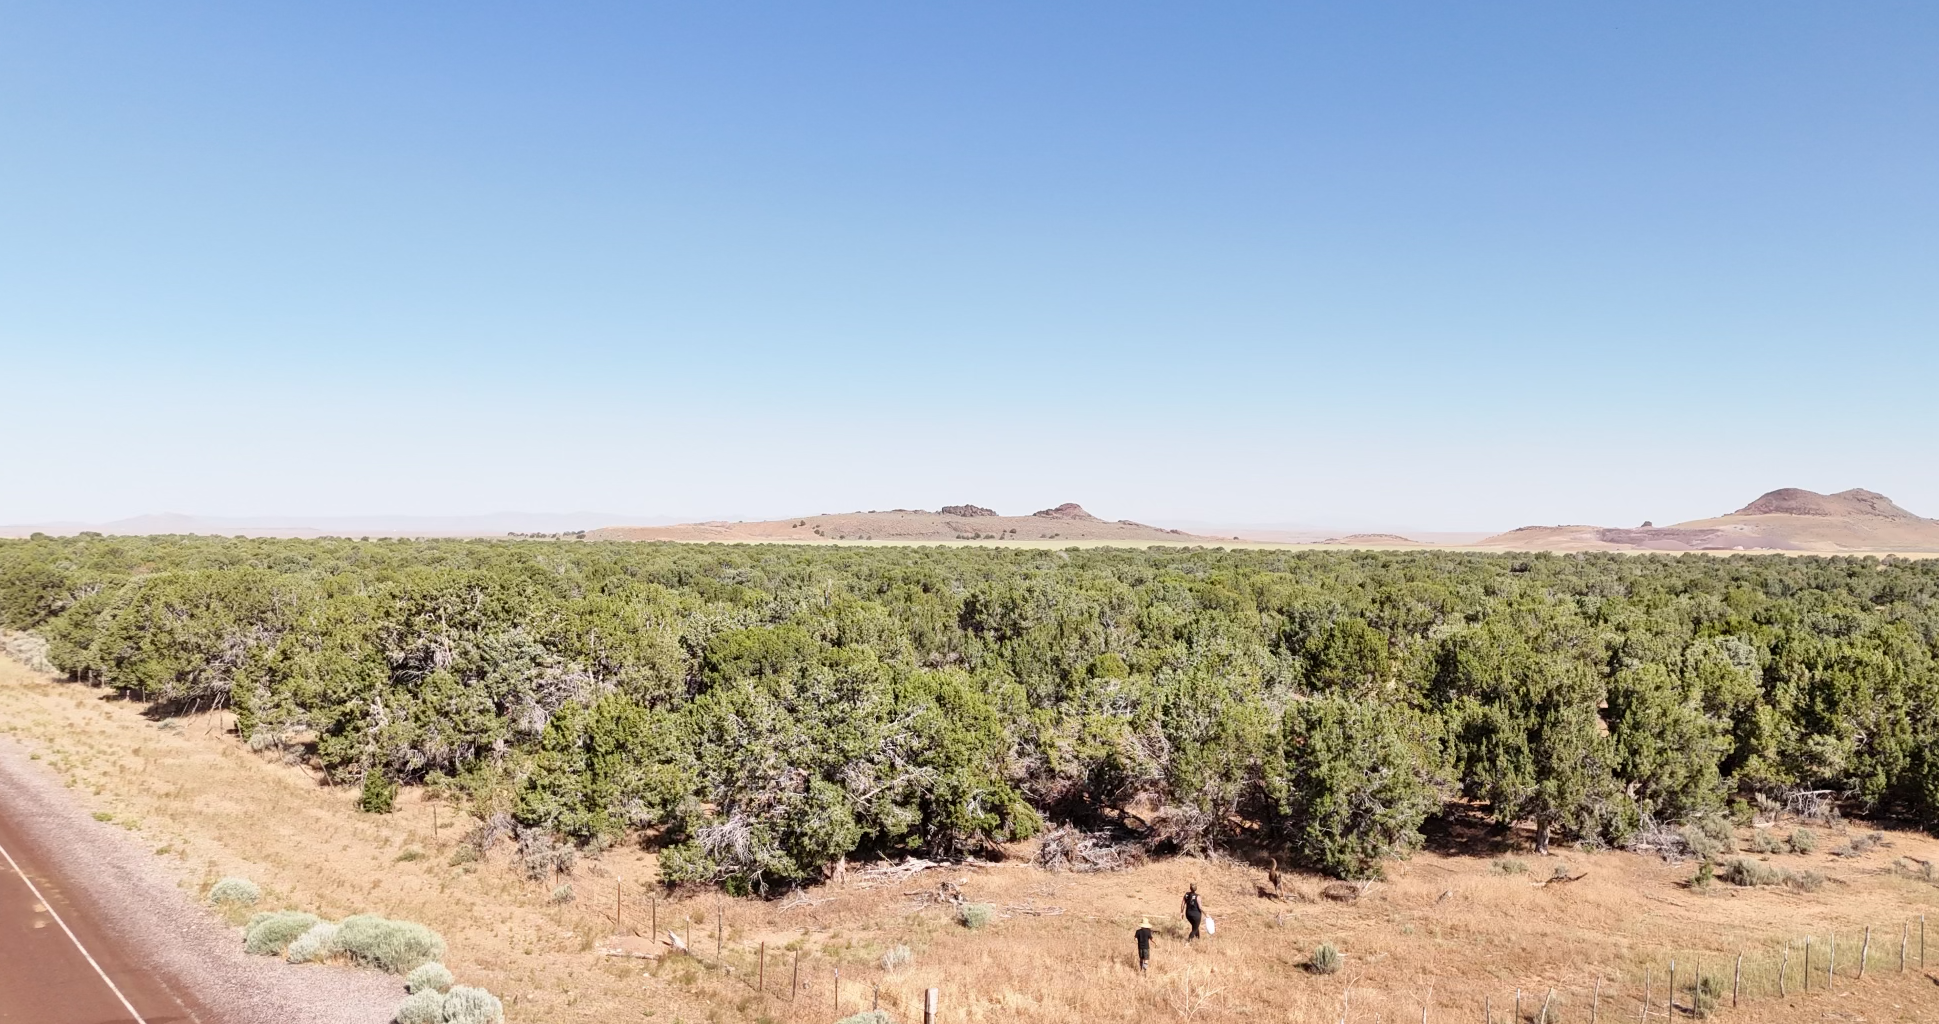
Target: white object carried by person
x: 1211, y: 927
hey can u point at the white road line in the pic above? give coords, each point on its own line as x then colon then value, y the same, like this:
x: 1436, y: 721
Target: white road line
x: 31, y: 887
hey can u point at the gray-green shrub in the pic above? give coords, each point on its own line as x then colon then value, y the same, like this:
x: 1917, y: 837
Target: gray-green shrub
x: 1804, y: 881
x: 319, y: 943
x: 896, y: 958
x: 270, y: 934
x: 975, y: 915
x: 1325, y: 960
x: 426, y: 1007
x: 1510, y: 866
x: 1803, y: 840
x: 235, y: 892
x: 1762, y: 841
x: 562, y: 894
x: 433, y: 975
x: 1742, y: 871
x: 465, y: 1005
x: 868, y: 1017
x: 395, y: 947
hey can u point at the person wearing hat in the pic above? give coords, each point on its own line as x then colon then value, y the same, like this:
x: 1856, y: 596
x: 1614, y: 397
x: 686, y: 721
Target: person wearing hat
x: 1144, y: 945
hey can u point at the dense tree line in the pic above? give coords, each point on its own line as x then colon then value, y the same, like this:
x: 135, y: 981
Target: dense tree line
x: 764, y: 711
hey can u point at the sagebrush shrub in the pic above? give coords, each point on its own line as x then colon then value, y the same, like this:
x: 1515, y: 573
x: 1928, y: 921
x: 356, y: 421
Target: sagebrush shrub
x: 426, y: 1007
x: 975, y: 915
x: 271, y: 934
x: 395, y: 947
x: 1742, y: 871
x: 1804, y: 881
x: 433, y: 975
x: 235, y: 892
x: 868, y: 1017
x: 1325, y: 960
x: 1803, y: 840
x: 465, y: 1005
x: 897, y: 957
x: 562, y: 894
x: 1762, y: 841
x: 319, y: 943
x: 1510, y: 866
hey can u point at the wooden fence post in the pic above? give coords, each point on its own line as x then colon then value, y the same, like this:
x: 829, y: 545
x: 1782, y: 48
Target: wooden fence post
x: 929, y: 1006
x: 1922, y: 942
x: 1518, y: 1004
x: 655, y: 900
x: 794, y: 986
x: 1781, y: 965
x: 1646, y: 986
x: 838, y: 991
x: 1807, y: 963
x: 1831, y: 958
x: 761, y: 972
x: 1864, y: 952
x: 617, y: 913
x: 1487, y: 1010
x: 1671, y: 1012
x: 1595, y: 1003
x: 1545, y: 1006
x: 1905, y: 932
x: 1737, y: 981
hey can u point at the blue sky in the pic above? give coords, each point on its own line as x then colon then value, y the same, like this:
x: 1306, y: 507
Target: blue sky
x: 1429, y: 265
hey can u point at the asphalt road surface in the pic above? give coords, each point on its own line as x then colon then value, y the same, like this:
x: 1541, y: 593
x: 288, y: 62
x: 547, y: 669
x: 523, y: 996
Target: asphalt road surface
x: 60, y: 961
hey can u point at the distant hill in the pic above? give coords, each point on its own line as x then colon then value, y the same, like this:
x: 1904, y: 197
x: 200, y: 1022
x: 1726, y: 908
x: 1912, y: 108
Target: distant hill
x: 1788, y: 519
x: 1066, y: 522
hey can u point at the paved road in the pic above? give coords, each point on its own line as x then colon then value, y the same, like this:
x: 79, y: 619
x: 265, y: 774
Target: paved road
x: 60, y: 961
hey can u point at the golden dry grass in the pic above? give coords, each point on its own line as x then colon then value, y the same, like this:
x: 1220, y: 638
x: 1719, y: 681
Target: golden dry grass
x: 1444, y: 934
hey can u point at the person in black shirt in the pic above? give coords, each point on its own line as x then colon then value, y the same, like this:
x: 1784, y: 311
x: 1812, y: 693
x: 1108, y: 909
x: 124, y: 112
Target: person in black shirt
x: 1193, y: 912
x: 1144, y: 945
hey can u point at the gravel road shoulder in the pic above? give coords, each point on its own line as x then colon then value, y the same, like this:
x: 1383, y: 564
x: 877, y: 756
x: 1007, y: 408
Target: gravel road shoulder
x: 105, y: 874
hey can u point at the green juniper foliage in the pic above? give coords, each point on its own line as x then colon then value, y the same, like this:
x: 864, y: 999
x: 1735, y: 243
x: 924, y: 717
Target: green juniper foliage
x: 769, y: 710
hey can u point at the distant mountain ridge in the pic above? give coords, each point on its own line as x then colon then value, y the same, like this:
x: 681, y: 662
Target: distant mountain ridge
x: 1787, y: 519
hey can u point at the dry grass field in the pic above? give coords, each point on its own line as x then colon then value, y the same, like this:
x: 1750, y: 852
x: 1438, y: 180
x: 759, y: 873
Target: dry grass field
x: 1446, y: 935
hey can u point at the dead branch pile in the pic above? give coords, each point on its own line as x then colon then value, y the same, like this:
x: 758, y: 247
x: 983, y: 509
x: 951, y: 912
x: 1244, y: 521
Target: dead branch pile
x: 947, y: 894
x: 1068, y: 849
x: 876, y: 874
x: 1345, y: 892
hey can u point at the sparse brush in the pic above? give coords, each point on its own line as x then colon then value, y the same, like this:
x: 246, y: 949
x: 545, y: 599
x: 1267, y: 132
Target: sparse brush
x: 1865, y: 843
x: 975, y: 915
x: 868, y: 1017
x: 395, y: 947
x: 896, y: 958
x: 1706, y: 871
x: 562, y: 894
x: 1804, y: 881
x: 235, y: 892
x: 1510, y: 866
x: 432, y: 976
x: 1803, y: 840
x: 271, y: 934
x: 1325, y: 960
x: 465, y: 854
x: 1562, y: 872
x: 1708, y: 991
x: 1762, y: 841
x: 426, y: 1007
x: 1745, y: 872
x: 466, y: 1005
x: 317, y: 944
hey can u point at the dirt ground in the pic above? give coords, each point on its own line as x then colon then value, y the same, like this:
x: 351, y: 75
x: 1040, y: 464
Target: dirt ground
x: 1448, y: 935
